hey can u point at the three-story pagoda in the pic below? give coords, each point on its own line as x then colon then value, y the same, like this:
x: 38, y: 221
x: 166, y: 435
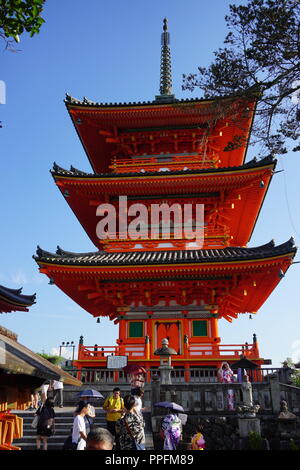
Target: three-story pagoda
x: 173, y: 152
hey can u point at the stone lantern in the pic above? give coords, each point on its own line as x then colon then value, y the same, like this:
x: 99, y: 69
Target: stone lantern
x: 165, y: 367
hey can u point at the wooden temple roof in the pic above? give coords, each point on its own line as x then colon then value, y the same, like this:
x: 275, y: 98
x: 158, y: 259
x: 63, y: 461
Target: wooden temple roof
x: 12, y: 300
x: 19, y: 360
x: 227, y: 255
x: 85, y: 102
x: 104, y: 283
x: 76, y: 174
x: 100, y: 125
x: 243, y: 187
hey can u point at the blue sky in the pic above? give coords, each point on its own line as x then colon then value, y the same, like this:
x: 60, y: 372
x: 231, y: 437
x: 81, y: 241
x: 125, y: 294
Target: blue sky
x: 110, y: 51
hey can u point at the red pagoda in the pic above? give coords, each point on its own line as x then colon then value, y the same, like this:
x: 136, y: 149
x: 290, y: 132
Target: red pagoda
x: 168, y: 151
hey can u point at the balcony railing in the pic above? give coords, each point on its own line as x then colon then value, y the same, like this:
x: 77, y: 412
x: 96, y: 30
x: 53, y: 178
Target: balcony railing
x: 193, y: 351
x: 162, y: 162
x: 209, y: 238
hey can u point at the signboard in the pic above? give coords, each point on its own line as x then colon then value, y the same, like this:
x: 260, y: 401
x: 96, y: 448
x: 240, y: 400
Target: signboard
x: 116, y: 362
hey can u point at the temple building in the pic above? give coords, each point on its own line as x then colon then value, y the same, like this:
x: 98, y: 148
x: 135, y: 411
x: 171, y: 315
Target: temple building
x: 175, y: 153
x: 21, y: 371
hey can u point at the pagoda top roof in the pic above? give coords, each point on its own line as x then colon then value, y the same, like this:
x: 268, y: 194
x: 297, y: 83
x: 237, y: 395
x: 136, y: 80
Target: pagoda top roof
x: 13, y: 299
x: 71, y: 101
x: 94, y: 121
x: 102, y: 258
x: 74, y: 172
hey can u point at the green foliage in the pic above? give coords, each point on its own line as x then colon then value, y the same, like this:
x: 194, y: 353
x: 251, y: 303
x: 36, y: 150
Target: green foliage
x: 56, y: 360
x: 255, y: 441
x: 295, y: 377
x: 19, y: 16
x: 293, y: 445
x: 260, y: 60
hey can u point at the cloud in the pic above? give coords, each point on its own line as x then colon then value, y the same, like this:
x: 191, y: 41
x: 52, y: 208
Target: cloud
x: 19, y: 278
x: 66, y: 353
x: 39, y: 279
x: 54, y: 351
x: 296, y: 351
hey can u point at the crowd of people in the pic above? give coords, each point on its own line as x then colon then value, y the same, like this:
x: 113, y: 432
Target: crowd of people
x: 125, y: 425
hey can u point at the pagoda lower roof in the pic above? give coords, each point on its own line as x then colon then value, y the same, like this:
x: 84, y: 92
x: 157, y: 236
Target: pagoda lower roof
x: 104, y: 283
x: 225, y: 255
x: 13, y: 300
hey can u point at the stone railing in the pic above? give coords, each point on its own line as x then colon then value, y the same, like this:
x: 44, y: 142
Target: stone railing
x: 213, y: 398
x: 178, y: 376
x: 202, y: 394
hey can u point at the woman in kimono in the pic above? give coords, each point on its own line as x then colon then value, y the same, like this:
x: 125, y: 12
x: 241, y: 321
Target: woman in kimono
x: 225, y: 375
x: 171, y: 429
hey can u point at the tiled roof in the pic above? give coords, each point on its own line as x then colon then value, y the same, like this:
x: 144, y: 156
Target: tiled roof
x: 14, y: 299
x: 254, y: 163
x: 102, y: 258
x: 89, y: 103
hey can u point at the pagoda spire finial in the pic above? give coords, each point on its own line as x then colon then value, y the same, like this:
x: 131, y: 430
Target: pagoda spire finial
x: 165, y: 66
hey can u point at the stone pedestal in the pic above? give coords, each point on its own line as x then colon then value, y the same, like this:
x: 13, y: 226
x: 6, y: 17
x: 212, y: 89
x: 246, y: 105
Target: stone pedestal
x: 287, y: 425
x: 247, y: 425
x: 165, y: 374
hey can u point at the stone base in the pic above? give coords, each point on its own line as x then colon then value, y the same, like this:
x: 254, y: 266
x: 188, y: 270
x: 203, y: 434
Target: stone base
x: 247, y: 425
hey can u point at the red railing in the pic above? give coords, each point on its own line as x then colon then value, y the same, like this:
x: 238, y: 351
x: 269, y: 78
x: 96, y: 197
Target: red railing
x: 193, y: 351
x: 124, y: 165
x: 209, y: 238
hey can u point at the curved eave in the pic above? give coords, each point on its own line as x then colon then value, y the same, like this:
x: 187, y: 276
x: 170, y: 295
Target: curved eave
x: 85, y: 284
x: 13, y: 300
x: 210, y: 265
x: 205, y: 258
x: 60, y: 173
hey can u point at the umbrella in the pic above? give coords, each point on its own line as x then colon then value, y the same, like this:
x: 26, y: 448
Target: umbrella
x: 90, y: 393
x: 244, y: 363
x: 134, y: 369
x: 169, y: 404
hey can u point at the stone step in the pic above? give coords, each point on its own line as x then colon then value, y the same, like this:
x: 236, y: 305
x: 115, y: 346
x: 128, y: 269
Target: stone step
x: 63, y: 428
x: 32, y: 446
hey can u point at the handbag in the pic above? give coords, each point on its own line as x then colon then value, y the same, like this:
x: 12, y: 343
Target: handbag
x: 135, y: 443
x: 69, y: 445
x: 35, y: 422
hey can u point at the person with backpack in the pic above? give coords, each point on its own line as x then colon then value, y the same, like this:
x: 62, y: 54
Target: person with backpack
x: 45, y: 426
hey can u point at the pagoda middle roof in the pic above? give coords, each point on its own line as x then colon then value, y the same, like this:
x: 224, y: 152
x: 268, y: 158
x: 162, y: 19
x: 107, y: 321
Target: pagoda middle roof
x: 228, y: 254
x: 13, y: 299
x: 74, y: 172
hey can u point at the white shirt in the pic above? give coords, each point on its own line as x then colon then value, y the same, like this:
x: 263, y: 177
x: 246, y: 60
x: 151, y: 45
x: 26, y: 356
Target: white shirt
x: 57, y: 385
x: 44, y: 388
x: 138, y: 404
x: 79, y: 426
